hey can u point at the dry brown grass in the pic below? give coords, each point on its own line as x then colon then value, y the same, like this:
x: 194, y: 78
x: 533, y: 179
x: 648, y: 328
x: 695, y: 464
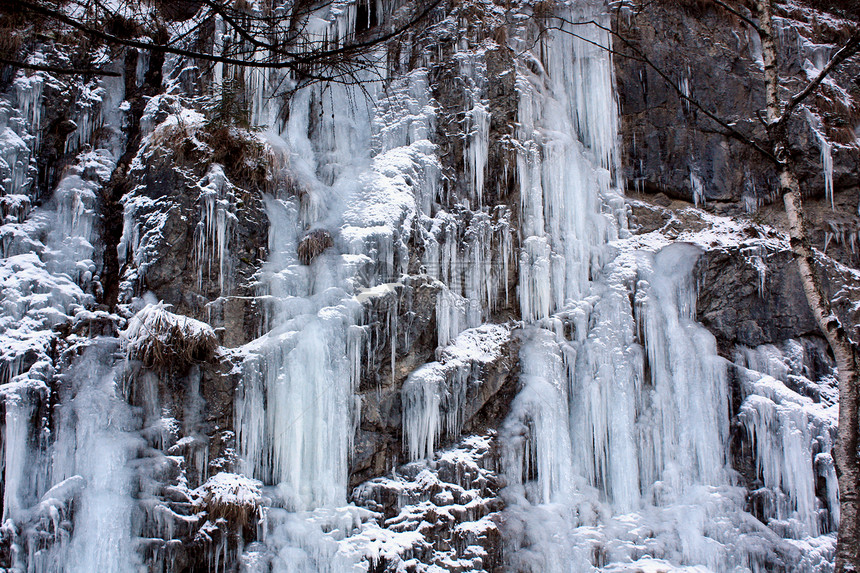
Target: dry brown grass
x: 14, y: 26
x: 233, y: 497
x: 247, y: 160
x: 160, y: 339
x: 313, y: 244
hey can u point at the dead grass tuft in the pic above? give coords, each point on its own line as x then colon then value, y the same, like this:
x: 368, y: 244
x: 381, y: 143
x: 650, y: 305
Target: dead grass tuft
x: 233, y: 497
x: 247, y: 160
x: 313, y: 244
x: 160, y: 339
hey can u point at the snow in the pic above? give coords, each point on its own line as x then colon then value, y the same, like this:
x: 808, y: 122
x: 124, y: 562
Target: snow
x: 454, y: 490
x: 47, y: 275
x: 615, y: 453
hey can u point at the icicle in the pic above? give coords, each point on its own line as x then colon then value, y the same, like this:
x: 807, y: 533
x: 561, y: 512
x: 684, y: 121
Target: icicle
x: 689, y: 379
x: 435, y: 395
x: 698, y: 188
x: 213, y: 234
x: 422, y: 422
x: 792, y: 438
x: 478, y: 147
x: 685, y: 90
x: 29, y: 91
x: 817, y: 127
x: 827, y: 166
x: 568, y: 153
x: 94, y: 441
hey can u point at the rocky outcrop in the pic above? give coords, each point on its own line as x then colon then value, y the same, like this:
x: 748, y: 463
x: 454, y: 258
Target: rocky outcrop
x: 195, y: 230
x: 446, y: 510
x: 313, y: 244
x: 669, y: 145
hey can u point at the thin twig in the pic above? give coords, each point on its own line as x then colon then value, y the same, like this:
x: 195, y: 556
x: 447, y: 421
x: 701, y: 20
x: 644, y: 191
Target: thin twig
x: 737, y: 13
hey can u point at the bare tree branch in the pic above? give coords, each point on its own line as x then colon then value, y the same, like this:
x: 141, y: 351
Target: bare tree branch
x: 294, y: 60
x: 849, y: 49
x: 737, y: 13
x: 149, y: 46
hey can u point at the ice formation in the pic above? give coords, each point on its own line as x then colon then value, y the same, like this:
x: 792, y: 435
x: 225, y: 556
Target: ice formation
x: 615, y: 452
x: 435, y: 395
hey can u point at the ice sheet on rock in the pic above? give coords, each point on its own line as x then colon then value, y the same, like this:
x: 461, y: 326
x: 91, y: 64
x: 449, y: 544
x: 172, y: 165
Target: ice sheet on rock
x: 301, y: 438
x: 304, y: 368
x: 14, y: 161
x: 434, y: 395
x: 67, y: 488
x: 817, y: 128
x: 20, y: 399
x: 792, y: 437
x: 94, y: 443
x: 99, y: 115
x: 477, y: 147
x: 536, y: 439
x: 472, y: 259
x: 49, y: 270
x: 378, y: 219
x: 688, y: 379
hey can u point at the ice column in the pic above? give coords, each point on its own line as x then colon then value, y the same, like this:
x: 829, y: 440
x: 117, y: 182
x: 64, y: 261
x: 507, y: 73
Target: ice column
x: 688, y: 394
x: 567, y: 130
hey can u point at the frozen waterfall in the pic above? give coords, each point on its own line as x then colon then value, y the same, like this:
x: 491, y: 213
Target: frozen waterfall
x: 533, y: 368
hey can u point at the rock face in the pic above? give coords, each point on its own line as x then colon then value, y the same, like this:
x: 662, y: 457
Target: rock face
x: 749, y: 292
x: 406, y: 260
x: 749, y: 306
x: 195, y: 230
x: 671, y: 147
